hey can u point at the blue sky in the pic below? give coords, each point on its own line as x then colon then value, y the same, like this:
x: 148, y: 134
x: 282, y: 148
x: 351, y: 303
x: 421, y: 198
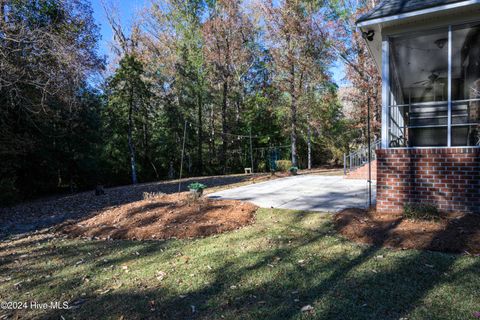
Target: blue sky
x: 338, y: 71
x: 127, y: 10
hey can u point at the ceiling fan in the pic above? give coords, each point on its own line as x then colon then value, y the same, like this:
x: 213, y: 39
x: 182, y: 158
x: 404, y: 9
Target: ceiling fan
x: 431, y: 86
x: 431, y: 79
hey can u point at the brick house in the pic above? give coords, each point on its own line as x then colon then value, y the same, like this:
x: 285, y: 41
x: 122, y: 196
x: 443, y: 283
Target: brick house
x: 428, y: 52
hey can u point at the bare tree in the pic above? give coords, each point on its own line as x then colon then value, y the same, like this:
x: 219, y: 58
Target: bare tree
x: 229, y: 35
x: 348, y: 44
x: 42, y: 64
x: 299, y: 51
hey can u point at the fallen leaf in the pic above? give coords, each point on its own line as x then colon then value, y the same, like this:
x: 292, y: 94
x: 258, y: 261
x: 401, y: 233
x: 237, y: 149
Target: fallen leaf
x: 117, y: 286
x: 160, y: 275
x: 306, y: 308
x: 102, y: 292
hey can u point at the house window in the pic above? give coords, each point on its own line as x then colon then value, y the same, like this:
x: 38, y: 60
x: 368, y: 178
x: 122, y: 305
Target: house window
x: 434, y: 81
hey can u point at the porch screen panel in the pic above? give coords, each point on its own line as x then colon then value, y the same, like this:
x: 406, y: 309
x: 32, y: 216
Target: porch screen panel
x: 418, y: 107
x: 466, y: 85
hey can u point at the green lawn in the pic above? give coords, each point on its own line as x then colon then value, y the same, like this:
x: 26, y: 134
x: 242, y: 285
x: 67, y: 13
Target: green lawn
x: 269, y: 270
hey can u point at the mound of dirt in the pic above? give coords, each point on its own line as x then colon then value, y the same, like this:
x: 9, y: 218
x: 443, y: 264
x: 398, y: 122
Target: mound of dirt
x: 458, y: 233
x: 164, y: 217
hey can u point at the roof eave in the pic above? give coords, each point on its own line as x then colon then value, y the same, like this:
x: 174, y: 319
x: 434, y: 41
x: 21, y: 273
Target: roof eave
x: 411, y: 14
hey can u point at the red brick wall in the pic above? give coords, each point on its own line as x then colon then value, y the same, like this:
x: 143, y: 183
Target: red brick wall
x: 362, y: 172
x: 446, y: 177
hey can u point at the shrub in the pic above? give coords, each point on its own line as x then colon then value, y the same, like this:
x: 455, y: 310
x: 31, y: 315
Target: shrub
x: 283, y: 165
x: 293, y: 170
x: 262, y: 167
x: 196, y: 191
x: 420, y: 211
x: 197, y: 186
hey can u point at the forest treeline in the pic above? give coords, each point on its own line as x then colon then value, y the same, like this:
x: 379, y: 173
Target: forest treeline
x: 228, y: 82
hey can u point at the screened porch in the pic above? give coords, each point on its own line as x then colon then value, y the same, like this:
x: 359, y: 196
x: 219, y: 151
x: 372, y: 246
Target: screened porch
x: 432, y: 81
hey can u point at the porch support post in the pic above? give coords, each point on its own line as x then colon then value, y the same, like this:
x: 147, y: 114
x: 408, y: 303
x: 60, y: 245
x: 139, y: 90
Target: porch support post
x: 449, y: 118
x: 369, y: 156
x: 385, y: 91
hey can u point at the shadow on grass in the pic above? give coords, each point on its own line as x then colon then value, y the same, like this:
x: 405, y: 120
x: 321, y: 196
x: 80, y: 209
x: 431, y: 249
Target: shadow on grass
x: 297, y: 264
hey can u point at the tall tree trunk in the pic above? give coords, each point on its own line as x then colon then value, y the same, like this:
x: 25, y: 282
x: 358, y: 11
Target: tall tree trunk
x: 293, y: 114
x: 146, y: 145
x: 224, y: 126
x: 293, y: 134
x: 237, y: 112
x: 146, y: 134
x: 200, y: 135
x: 212, y: 135
x: 309, y: 142
x: 131, y: 147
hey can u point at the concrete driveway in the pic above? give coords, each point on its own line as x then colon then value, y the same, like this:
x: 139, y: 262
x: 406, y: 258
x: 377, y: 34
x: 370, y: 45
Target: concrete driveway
x: 304, y: 192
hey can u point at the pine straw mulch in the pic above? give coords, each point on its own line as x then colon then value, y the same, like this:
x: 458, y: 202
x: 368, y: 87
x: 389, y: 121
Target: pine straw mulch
x: 163, y: 217
x: 47, y: 212
x: 454, y: 232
